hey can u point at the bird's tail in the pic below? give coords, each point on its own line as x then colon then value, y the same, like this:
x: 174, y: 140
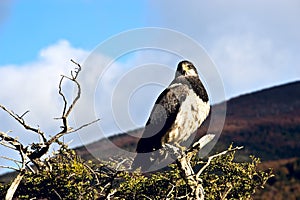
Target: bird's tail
x: 142, y: 160
x: 151, y: 161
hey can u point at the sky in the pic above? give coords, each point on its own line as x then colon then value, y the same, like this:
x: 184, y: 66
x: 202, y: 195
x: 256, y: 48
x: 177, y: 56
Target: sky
x: 251, y: 44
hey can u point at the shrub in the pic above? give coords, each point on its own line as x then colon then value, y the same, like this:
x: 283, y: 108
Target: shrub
x: 70, y: 177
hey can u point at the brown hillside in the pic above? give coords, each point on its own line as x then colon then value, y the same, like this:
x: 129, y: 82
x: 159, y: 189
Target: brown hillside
x: 267, y: 124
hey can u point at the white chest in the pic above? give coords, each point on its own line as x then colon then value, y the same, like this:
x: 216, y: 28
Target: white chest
x: 191, y: 115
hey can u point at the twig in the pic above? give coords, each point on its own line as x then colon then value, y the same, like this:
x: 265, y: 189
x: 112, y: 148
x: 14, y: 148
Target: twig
x: 214, y: 156
x: 170, y: 192
x: 78, y: 69
x: 93, y: 172
x: 43, y: 146
x: 119, y: 164
x: 146, y: 196
x: 21, y: 120
x: 30, y: 168
x: 7, y: 145
x: 74, y: 79
x: 9, y: 167
x: 14, y: 142
x: 10, y: 159
x: 84, y: 125
x: 17, y: 162
x: 58, y: 195
x: 183, y: 197
x: 111, y: 194
x: 187, y: 172
x: 76, y: 98
x: 223, y: 197
x: 62, y: 95
x: 24, y: 114
x: 13, y: 187
x: 66, y: 111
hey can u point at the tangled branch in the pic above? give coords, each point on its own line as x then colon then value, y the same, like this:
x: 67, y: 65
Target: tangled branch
x: 192, y: 178
x: 32, y: 153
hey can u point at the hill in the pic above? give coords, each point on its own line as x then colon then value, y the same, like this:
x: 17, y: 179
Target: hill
x: 266, y: 123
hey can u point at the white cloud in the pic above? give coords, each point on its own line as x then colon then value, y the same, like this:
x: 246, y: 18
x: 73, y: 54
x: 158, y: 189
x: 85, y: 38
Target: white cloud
x: 120, y: 92
x: 110, y: 90
x: 248, y: 63
x: 255, y: 44
x: 115, y: 92
x: 34, y: 86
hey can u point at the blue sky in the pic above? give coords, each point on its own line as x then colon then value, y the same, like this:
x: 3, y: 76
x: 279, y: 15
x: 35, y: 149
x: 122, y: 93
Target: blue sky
x: 266, y: 32
x: 29, y: 26
x: 254, y: 44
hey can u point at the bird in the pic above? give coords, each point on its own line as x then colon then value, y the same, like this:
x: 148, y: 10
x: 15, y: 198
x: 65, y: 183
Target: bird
x: 178, y: 112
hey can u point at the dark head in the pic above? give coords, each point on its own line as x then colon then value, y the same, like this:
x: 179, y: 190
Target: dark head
x: 186, y: 68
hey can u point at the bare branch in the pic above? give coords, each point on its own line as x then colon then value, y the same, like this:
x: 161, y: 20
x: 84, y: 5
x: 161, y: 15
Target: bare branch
x: 230, y: 187
x: 6, y: 144
x: 58, y: 195
x: 30, y: 168
x: 78, y: 69
x: 120, y: 164
x: 146, y: 196
x: 14, y: 142
x: 33, y: 153
x: 76, y: 98
x: 66, y: 112
x: 84, y: 125
x: 13, y: 187
x: 110, y: 195
x: 21, y: 120
x: 62, y: 95
x: 24, y: 114
x: 93, y: 172
x: 11, y: 159
x: 9, y: 167
x: 74, y: 79
x: 214, y: 156
x: 187, y: 172
x: 170, y: 191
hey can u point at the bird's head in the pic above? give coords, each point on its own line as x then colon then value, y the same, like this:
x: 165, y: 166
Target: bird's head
x: 186, y: 68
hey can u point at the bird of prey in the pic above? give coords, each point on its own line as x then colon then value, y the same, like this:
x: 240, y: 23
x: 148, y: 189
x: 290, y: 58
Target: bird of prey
x: 178, y: 112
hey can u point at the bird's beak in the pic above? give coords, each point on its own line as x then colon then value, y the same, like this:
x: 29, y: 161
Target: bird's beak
x: 185, y: 68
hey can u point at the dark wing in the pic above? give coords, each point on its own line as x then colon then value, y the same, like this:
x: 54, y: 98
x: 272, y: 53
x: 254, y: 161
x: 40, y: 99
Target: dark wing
x: 161, y: 119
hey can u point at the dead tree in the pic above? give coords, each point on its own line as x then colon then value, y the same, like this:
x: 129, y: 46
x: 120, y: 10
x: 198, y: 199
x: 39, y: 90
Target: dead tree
x: 31, y: 154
